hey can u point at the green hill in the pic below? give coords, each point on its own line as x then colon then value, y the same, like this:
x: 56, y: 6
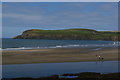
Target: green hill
x: 69, y: 34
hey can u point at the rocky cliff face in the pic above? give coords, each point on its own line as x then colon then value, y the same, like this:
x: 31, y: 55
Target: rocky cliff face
x: 69, y: 34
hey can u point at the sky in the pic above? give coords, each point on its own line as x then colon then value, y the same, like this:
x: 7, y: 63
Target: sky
x: 60, y: 0
x: 20, y: 16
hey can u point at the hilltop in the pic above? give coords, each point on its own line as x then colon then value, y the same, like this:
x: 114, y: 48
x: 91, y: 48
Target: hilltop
x: 70, y: 34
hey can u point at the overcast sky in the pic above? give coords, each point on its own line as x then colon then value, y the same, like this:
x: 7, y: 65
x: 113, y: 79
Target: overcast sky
x: 20, y: 16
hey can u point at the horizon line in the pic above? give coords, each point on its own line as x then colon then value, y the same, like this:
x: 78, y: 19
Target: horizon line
x: 60, y: 1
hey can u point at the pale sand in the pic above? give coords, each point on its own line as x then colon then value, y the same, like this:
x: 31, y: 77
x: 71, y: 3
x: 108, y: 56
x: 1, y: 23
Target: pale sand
x: 57, y: 55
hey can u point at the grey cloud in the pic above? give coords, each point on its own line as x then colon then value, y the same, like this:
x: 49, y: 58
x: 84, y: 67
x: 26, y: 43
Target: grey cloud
x: 67, y: 18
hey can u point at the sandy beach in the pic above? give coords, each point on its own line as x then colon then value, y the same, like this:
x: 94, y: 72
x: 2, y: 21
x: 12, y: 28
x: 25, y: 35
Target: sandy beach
x: 58, y: 55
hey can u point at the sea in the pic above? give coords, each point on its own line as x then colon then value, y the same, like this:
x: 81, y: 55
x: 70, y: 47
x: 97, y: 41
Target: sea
x: 20, y: 44
x: 48, y: 69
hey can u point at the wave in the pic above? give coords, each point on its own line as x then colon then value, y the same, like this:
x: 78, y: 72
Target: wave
x: 19, y: 48
x: 114, y: 44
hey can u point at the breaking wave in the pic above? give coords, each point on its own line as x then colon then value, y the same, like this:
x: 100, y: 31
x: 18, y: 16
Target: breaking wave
x: 114, y: 44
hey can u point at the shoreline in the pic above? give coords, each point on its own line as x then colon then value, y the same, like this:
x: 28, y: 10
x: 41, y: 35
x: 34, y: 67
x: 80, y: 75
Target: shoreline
x: 58, y: 55
x: 62, y: 62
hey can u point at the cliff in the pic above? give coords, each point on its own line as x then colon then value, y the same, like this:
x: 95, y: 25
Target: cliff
x: 70, y: 34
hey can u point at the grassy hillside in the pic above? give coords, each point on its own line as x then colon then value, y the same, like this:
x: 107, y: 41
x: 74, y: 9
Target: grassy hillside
x: 69, y: 34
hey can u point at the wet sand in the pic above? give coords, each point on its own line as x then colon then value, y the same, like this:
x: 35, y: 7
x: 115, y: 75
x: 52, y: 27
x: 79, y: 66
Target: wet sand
x: 58, y: 55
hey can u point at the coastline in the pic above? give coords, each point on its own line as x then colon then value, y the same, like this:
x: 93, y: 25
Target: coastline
x: 62, y: 62
x: 58, y: 55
